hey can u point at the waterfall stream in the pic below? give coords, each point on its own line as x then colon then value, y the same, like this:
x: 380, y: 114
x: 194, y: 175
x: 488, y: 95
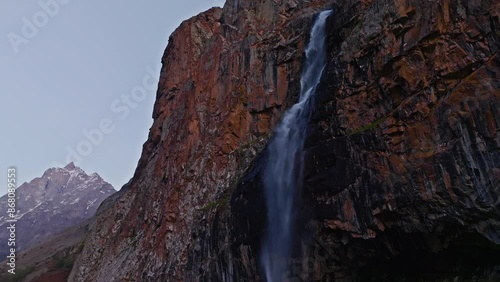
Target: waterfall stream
x: 283, y: 172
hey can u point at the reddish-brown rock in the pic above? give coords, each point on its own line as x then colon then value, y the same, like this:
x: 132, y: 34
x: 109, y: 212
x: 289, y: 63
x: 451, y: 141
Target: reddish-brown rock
x: 225, y: 79
x: 410, y: 107
x: 402, y: 156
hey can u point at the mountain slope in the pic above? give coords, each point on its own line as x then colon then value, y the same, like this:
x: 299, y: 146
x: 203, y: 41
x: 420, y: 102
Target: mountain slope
x: 61, y: 198
x: 50, y: 260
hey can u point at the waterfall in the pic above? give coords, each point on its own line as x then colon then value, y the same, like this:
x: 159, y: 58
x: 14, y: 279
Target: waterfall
x: 283, y: 172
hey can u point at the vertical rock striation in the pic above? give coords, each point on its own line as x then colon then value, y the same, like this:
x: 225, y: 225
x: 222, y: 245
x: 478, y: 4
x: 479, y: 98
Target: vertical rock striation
x: 403, y: 153
x: 226, y: 77
x: 402, y: 159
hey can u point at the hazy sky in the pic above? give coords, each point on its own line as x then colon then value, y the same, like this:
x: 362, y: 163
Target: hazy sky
x: 77, y: 79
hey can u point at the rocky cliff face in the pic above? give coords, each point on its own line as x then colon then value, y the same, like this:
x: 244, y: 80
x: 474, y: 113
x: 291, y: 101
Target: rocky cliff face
x: 402, y: 156
x: 47, y: 205
x: 410, y: 115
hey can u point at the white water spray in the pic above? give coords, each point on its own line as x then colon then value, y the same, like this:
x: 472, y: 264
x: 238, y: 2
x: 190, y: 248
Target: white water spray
x: 283, y: 173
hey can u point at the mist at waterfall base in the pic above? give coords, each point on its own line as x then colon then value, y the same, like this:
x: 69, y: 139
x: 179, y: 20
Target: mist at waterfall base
x: 283, y: 172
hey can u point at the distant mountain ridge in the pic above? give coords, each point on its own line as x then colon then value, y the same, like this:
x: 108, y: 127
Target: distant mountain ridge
x: 61, y: 198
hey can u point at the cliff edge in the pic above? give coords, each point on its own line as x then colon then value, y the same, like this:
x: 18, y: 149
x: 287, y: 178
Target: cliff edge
x: 402, y: 159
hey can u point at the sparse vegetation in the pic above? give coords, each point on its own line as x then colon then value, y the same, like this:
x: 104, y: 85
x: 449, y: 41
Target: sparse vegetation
x: 19, y: 276
x: 64, y: 262
x: 369, y: 126
x: 79, y: 249
x: 219, y: 203
x: 239, y: 152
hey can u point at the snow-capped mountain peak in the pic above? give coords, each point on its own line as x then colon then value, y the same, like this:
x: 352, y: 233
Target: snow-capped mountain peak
x: 60, y: 198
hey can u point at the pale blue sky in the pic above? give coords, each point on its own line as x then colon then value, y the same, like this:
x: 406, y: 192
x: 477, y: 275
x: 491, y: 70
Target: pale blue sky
x: 71, y: 70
